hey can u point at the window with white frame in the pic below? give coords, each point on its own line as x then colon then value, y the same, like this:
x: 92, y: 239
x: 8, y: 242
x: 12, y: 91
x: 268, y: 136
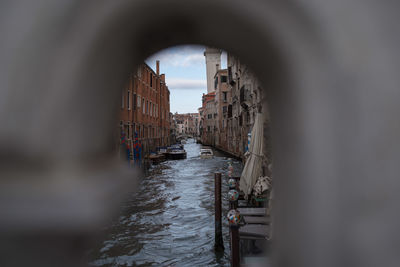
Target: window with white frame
x: 138, y: 101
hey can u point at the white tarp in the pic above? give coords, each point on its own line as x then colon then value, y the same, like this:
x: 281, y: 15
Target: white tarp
x: 253, y: 167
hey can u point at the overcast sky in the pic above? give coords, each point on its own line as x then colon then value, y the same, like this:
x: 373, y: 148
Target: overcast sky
x: 185, y: 74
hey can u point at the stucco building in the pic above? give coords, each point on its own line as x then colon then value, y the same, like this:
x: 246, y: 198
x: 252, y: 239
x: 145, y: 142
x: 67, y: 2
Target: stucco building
x: 228, y: 111
x: 208, y: 119
x: 187, y: 124
x: 221, y: 103
x: 213, y: 63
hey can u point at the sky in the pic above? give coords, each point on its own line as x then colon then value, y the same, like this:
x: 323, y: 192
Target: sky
x: 185, y: 75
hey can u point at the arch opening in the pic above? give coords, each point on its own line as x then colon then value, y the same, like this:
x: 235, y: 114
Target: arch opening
x: 228, y: 107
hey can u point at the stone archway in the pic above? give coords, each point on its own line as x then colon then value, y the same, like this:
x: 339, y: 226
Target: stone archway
x: 60, y: 62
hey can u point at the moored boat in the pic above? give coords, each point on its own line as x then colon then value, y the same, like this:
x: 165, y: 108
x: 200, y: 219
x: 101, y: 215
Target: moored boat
x: 177, y: 154
x: 206, y: 153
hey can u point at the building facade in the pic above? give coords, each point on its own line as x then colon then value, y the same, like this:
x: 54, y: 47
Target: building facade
x: 187, y: 124
x: 221, y: 103
x: 228, y: 113
x: 213, y: 63
x: 145, y: 112
x: 208, y: 119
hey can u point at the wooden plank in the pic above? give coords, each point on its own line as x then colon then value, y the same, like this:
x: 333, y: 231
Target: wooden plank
x: 257, y: 220
x: 254, y: 230
x: 252, y: 211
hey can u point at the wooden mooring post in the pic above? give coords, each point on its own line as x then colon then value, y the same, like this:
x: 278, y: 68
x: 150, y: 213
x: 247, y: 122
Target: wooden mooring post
x: 219, y: 243
x: 234, y: 242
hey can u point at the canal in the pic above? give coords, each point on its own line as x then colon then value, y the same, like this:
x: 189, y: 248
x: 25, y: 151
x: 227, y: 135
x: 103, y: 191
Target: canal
x: 169, y: 220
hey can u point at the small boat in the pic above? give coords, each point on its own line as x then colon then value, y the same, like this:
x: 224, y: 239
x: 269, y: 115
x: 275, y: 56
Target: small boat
x: 177, y: 154
x: 206, y: 153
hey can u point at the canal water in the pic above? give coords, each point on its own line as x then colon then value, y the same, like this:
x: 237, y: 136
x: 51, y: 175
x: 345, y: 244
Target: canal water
x: 169, y: 220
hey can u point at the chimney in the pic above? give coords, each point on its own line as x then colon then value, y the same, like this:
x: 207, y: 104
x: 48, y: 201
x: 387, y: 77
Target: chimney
x: 158, y: 67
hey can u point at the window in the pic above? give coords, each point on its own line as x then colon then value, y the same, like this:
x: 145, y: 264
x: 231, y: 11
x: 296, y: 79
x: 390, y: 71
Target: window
x: 129, y: 100
x: 225, y: 96
x: 151, y: 80
x: 127, y: 131
x: 147, y: 107
x: 216, y: 83
x: 224, y: 79
x: 138, y: 101
x: 209, y: 116
x: 224, y: 109
x: 150, y: 111
x: 134, y: 101
x: 122, y: 99
x: 144, y: 106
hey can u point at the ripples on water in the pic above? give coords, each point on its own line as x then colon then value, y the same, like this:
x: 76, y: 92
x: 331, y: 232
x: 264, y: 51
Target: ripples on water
x: 169, y: 221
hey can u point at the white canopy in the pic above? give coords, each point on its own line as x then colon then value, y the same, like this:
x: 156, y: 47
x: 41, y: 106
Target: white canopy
x: 253, y: 167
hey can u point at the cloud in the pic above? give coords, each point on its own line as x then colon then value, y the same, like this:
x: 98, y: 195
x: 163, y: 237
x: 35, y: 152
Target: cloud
x: 193, y: 59
x: 181, y: 56
x: 186, y: 84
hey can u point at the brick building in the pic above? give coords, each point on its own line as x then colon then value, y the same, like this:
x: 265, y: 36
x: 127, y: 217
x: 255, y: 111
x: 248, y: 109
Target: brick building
x: 145, y: 110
